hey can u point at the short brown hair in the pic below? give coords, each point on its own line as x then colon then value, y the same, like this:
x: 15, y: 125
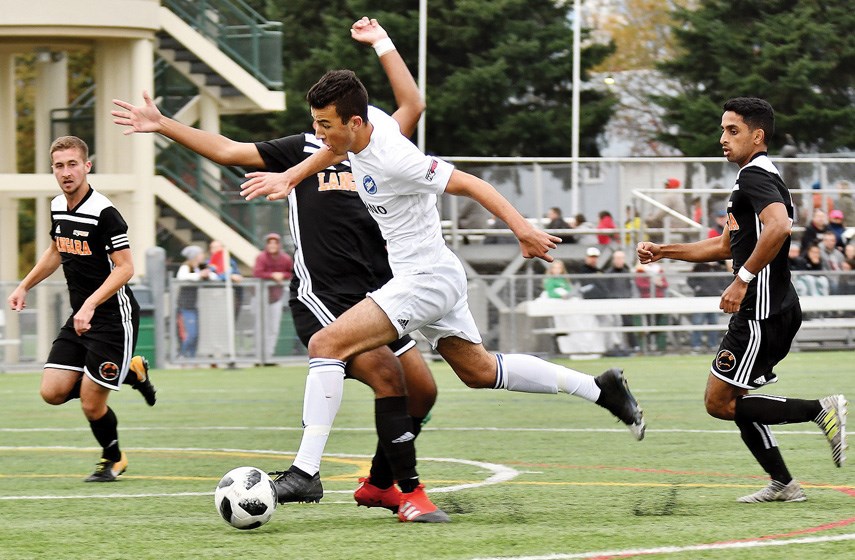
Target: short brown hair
x: 67, y: 143
x: 344, y: 90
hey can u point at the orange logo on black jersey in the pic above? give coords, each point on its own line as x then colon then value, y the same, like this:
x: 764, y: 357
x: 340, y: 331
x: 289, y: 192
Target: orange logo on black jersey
x: 732, y: 224
x: 109, y: 371
x: 342, y: 181
x: 73, y: 246
x: 725, y: 361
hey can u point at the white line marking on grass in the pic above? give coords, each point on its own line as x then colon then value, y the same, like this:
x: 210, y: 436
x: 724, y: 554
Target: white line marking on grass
x: 676, y: 549
x: 778, y: 431
x: 499, y: 473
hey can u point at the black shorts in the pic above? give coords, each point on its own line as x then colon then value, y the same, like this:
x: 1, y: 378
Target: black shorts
x: 103, y: 353
x: 750, y: 349
x: 314, y: 313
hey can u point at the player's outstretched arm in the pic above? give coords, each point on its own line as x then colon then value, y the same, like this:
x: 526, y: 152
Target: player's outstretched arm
x: 276, y: 186
x: 44, y: 267
x: 409, y: 99
x: 706, y: 250
x: 216, y: 147
x: 533, y: 242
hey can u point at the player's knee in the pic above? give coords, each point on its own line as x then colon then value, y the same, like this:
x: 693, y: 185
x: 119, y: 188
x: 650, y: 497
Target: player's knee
x: 52, y: 396
x: 723, y: 410
x: 476, y: 378
x: 322, y: 345
x: 93, y: 411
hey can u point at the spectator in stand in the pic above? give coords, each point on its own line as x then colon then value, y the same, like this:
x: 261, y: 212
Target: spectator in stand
x: 720, y: 221
x: 814, y: 230
x: 592, y: 288
x: 633, y: 225
x: 275, y: 267
x: 606, y: 222
x: 830, y: 253
x: 193, y: 269
x: 795, y: 260
x: 849, y: 251
x: 809, y: 283
x: 846, y: 285
x: 820, y: 199
x: 673, y: 199
x: 556, y: 285
x: 651, y: 282
x: 619, y: 286
x: 471, y: 215
x: 217, y: 264
x: 702, y: 285
x: 581, y: 222
x: 835, y: 225
x: 557, y: 221
x: 845, y: 203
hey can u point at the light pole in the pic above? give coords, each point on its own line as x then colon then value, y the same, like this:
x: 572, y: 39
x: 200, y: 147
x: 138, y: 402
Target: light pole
x: 574, y: 140
x: 420, y: 137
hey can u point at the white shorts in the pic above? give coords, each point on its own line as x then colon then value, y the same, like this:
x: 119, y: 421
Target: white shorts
x: 432, y: 300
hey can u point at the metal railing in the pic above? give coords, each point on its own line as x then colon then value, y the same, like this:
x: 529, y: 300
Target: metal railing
x: 240, y: 32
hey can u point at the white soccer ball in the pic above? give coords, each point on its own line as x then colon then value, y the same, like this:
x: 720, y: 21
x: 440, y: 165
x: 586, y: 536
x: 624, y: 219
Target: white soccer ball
x: 245, y: 497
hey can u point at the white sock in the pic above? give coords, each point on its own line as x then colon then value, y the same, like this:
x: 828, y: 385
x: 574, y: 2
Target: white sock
x: 321, y: 401
x: 528, y: 374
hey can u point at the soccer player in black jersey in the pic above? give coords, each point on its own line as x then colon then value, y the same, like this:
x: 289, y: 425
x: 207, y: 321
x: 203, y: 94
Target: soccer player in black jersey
x: 93, y: 353
x: 336, y: 262
x: 763, y: 301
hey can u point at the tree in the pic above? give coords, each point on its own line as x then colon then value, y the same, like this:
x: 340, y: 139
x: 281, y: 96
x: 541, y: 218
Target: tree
x: 498, y: 71
x: 800, y: 56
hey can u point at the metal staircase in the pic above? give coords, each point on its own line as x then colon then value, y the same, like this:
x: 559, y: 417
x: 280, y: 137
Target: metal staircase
x: 185, y: 67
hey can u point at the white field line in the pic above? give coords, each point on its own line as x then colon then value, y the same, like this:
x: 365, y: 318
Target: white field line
x: 604, y: 554
x: 498, y: 473
x: 425, y: 429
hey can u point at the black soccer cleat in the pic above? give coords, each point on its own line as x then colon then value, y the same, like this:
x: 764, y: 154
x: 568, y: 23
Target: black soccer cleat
x: 616, y: 397
x: 107, y: 470
x: 139, y: 367
x: 294, y: 487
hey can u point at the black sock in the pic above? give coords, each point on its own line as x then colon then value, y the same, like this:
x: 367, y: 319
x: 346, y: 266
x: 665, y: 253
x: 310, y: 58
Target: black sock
x: 767, y: 409
x: 106, y: 431
x: 760, y: 441
x: 74, y: 393
x: 381, y: 471
x: 397, y: 439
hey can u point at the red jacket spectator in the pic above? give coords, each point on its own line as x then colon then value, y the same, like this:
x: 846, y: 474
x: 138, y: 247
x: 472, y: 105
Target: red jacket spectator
x: 606, y: 222
x: 273, y: 264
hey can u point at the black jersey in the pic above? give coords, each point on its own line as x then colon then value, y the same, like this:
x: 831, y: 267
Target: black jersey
x: 339, y: 249
x: 759, y: 184
x: 85, y: 236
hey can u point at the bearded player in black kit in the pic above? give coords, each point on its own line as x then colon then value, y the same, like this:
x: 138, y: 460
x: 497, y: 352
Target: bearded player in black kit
x: 336, y: 263
x: 763, y: 301
x: 93, y: 353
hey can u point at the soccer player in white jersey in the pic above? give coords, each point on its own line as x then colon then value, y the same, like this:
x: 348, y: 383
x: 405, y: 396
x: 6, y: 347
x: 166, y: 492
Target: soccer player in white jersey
x: 399, y: 184
x: 763, y: 301
x: 93, y: 353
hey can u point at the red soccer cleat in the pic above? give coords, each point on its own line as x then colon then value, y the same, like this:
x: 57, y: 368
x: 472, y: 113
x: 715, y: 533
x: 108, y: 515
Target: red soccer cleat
x: 417, y: 507
x: 369, y: 495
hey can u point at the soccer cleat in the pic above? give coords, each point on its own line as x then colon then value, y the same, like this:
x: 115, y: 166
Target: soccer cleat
x: 776, y: 492
x: 293, y: 487
x: 616, y: 397
x: 107, y: 470
x: 368, y: 495
x: 416, y: 507
x: 832, y: 421
x: 139, y: 367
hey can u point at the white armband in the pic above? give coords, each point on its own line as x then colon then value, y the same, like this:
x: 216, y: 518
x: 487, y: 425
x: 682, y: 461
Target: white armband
x: 383, y: 46
x: 745, y: 275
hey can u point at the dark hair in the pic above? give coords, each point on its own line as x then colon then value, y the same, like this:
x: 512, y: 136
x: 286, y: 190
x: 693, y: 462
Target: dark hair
x: 756, y: 112
x: 344, y: 90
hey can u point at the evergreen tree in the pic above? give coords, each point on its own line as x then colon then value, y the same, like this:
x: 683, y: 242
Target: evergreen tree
x: 498, y: 71
x: 799, y: 56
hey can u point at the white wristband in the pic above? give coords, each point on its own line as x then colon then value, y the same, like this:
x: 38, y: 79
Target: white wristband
x: 745, y: 275
x: 383, y: 46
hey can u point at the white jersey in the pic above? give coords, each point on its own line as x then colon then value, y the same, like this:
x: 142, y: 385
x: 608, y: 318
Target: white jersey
x: 398, y: 184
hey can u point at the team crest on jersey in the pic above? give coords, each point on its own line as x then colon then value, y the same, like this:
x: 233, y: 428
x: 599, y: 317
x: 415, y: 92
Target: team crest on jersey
x: 725, y: 361
x: 109, y: 371
x: 80, y: 233
x: 432, y: 170
x: 369, y: 185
